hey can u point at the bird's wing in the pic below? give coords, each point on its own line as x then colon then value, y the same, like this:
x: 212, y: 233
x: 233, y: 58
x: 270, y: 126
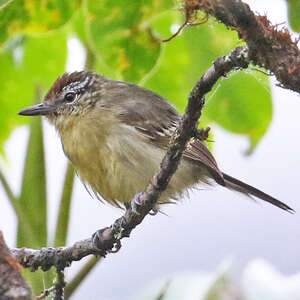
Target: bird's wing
x: 157, y: 119
x: 198, y: 152
x: 159, y: 134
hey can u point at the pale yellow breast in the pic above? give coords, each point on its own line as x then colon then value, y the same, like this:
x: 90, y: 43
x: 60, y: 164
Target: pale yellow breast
x: 117, y: 162
x: 107, y: 159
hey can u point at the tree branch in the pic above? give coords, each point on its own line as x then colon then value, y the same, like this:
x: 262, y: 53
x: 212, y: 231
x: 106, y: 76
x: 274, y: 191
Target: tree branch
x: 108, y: 239
x: 12, y: 284
x: 269, y: 47
x: 59, y: 285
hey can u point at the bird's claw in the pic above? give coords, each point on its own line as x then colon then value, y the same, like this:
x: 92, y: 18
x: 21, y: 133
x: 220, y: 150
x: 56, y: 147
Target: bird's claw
x: 96, y: 239
x: 116, y: 248
x: 136, y: 206
x: 135, y: 203
x: 154, y: 210
x: 101, y: 240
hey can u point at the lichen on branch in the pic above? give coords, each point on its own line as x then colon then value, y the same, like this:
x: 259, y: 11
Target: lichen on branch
x: 270, y: 46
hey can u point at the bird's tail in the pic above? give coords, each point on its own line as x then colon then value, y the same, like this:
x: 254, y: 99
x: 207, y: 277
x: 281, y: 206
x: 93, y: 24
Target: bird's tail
x: 249, y: 190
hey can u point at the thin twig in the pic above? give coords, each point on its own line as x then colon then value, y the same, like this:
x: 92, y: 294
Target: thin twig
x: 187, y: 22
x: 59, y: 285
x: 176, y: 33
x: 46, y: 293
x: 164, y: 290
x: 109, y: 238
x: 57, y: 289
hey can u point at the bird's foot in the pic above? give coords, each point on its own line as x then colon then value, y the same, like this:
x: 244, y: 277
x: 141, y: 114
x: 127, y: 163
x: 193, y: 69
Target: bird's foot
x: 136, y: 204
x: 116, y: 248
x: 102, y: 239
x: 154, y: 210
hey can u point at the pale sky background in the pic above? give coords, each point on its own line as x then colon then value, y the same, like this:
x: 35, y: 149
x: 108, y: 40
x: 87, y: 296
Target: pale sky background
x: 202, y: 231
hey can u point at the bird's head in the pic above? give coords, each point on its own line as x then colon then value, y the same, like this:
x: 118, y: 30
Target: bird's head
x: 71, y: 94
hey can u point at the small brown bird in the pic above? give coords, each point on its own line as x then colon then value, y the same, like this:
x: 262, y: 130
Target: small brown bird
x: 116, y: 134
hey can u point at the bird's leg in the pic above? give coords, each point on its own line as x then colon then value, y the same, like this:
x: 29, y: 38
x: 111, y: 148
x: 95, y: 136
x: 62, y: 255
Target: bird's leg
x: 109, y: 238
x: 135, y: 206
x: 101, y: 240
x: 135, y: 203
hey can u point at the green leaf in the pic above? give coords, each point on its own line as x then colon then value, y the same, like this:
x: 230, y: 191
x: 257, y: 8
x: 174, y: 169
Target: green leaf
x: 9, y: 96
x: 78, y: 25
x: 33, y: 198
x: 188, y: 56
x: 3, y: 3
x: 169, y: 78
x: 78, y: 28
x: 33, y: 202
x: 61, y: 231
x: 242, y: 106
x: 38, y: 16
x: 35, y: 61
x: 121, y: 37
x: 45, y: 58
x: 294, y: 14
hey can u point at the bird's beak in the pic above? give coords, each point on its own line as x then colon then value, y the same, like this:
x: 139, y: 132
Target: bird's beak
x: 41, y: 109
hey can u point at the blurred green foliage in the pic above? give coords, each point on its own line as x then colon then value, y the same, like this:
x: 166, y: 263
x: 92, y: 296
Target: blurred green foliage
x: 294, y: 14
x: 34, y: 16
x: 241, y: 104
x: 126, y: 43
x: 22, y: 71
x: 123, y: 41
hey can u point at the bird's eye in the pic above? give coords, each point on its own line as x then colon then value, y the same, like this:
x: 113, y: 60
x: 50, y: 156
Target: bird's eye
x: 69, y: 97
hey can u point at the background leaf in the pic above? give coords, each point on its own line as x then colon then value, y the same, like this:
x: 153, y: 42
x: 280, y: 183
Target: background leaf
x: 63, y: 217
x: 233, y: 105
x: 22, y: 72
x: 25, y: 67
x: 236, y: 109
x: 294, y: 14
x: 120, y: 37
x: 38, y: 16
x: 33, y: 202
x: 33, y: 198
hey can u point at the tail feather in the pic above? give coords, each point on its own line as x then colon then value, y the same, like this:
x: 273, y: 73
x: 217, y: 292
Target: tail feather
x: 245, y: 188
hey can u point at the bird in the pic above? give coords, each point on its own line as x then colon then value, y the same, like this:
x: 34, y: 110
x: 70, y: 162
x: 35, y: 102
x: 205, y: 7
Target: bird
x: 116, y: 133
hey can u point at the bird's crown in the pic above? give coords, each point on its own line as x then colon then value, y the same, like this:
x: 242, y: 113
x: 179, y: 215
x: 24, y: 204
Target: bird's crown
x: 77, y: 82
